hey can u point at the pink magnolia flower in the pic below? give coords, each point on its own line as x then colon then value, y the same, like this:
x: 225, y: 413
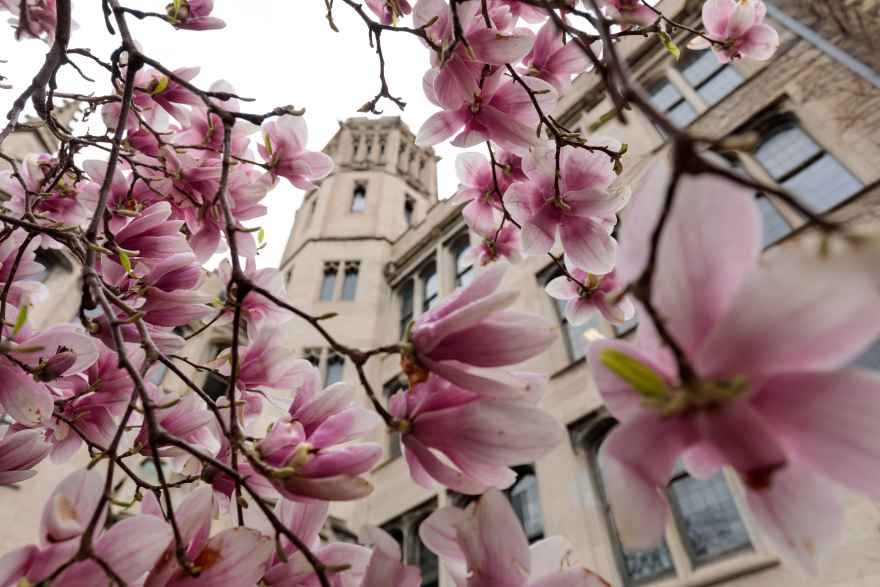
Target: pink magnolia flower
x: 388, y: 11
x: 477, y: 188
x: 310, y: 444
x: 153, y: 236
x: 236, y: 556
x: 485, y: 546
x: 739, y: 26
x: 125, y: 199
x: 457, y: 78
x: 629, y: 12
x: 530, y: 14
x: 345, y: 563
x: 154, y: 88
x: 42, y: 17
x: 766, y: 395
x: 174, y: 273
x: 589, y: 294
x: 64, y: 203
x: 583, y: 212
x: 385, y: 566
x: 20, y: 450
x: 500, y: 111
x: 175, y: 308
x: 25, y: 288
x: 184, y: 417
x: 481, y: 437
x: 256, y: 308
x: 555, y: 61
x: 130, y: 547
x: 284, y: 150
x: 193, y: 15
x: 507, y: 245
x: 469, y: 335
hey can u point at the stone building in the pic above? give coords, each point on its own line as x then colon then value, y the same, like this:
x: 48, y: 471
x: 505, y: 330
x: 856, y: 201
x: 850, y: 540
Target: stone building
x: 377, y: 246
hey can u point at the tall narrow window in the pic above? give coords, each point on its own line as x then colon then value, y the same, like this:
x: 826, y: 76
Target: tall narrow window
x: 430, y: 286
x: 800, y: 165
x: 523, y: 496
x: 335, y: 367
x: 328, y: 283
x: 669, y: 100
x: 350, y: 280
x: 405, y: 530
x: 405, y: 297
x: 409, y: 209
x: 312, y: 355
x: 712, y: 80
x: 464, y: 270
x: 707, y: 518
x: 359, y: 198
x: 391, y: 387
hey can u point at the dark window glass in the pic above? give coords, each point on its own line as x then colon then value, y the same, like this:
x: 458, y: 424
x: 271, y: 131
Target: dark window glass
x: 773, y: 224
x: 312, y: 355
x: 801, y: 166
x: 707, y: 517
x: 328, y: 283
x: 389, y: 390
x: 359, y: 198
x: 349, y: 281
x: 215, y: 385
x: 409, y: 208
x: 668, y: 99
x: 405, y: 530
x: 464, y: 270
x: 335, y: 366
x: 712, y: 80
x: 870, y: 359
x: 405, y: 295
x: 637, y: 566
x: 525, y: 500
x: 430, y: 286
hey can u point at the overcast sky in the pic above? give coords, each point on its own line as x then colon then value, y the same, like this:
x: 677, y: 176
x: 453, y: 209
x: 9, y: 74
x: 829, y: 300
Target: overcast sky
x: 276, y: 51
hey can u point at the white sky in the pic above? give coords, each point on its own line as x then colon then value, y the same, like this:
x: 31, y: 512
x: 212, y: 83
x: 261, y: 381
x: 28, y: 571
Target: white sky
x: 276, y: 51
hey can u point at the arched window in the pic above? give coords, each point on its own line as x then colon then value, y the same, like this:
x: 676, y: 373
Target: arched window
x: 801, y: 166
x: 430, y: 286
x: 350, y: 279
x: 335, y: 367
x: 359, y: 198
x: 409, y: 210
x: 405, y: 295
x: 464, y: 270
x: 328, y: 283
x: 707, y: 522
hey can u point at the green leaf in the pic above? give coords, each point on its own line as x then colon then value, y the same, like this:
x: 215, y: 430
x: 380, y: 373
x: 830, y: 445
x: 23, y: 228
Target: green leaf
x: 669, y: 44
x: 647, y: 382
x: 21, y: 319
x: 261, y: 236
x: 124, y: 259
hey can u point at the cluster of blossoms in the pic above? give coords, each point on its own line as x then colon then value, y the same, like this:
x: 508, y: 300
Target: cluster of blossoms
x: 750, y: 387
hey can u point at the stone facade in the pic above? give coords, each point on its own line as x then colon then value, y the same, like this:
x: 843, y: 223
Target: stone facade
x: 376, y: 246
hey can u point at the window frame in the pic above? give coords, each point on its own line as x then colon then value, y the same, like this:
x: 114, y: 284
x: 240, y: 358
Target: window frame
x: 458, y: 246
x: 394, y: 444
x: 406, y: 317
x: 429, y: 301
x: 331, y: 273
x: 334, y: 359
x: 358, y: 198
x: 351, y: 268
x: 406, y: 525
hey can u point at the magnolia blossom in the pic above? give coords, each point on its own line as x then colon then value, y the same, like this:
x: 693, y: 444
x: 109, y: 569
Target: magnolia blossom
x: 19, y: 451
x: 738, y: 25
x: 589, y: 294
x: 485, y: 546
x: 345, y: 564
x: 311, y: 444
x: 582, y: 212
x: 236, y: 556
x: 555, y: 61
x: 629, y: 12
x: 499, y: 111
x: 389, y: 11
x: 65, y: 202
x: 385, y: 566
x: 475, y: 433
x: 284, y: 149
x: 766, y: 395
x: 255, y: 307
x: 130, y: 547
x: 477, y: 188
x: 193, y: 15
x: 506, y: 244
x: 468, y: 336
